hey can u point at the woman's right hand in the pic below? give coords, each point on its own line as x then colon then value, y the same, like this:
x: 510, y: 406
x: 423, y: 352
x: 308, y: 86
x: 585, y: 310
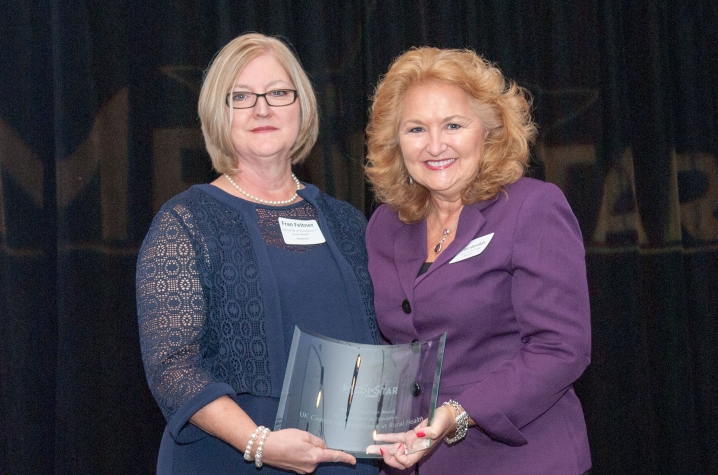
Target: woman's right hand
x: 300, y: 451
x: 289, y: 449
x: 407, y: 448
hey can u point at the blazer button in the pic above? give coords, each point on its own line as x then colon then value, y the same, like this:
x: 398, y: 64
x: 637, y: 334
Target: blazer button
x: 405, y: 306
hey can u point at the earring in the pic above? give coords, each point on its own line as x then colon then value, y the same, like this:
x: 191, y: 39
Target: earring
x: 411, y: 180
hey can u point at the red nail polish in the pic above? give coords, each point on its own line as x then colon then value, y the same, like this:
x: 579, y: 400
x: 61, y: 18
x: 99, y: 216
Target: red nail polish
x: 382, y: 451
x: 420, y: 434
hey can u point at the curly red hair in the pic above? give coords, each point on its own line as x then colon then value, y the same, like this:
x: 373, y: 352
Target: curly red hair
x: 502, y: 106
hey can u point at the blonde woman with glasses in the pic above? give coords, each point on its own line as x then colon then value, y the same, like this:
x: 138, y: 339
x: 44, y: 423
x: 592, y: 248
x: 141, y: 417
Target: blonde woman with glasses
x: 223, y: 276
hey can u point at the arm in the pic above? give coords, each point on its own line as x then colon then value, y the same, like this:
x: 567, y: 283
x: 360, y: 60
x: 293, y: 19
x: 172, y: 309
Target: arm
x: 172, y: 307
x: 549, y: 298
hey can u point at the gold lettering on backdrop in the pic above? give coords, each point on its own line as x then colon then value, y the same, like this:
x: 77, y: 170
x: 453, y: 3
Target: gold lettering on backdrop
x: 699, y: 206
x: 18, y: 160
x: 558, y: 158
x: 106, y: 148
x: 697, y: 212
x: 617, y: 183
x: 168, y: 145
x: 673, y: 234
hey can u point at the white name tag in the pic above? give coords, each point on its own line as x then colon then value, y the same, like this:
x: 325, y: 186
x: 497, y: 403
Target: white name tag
x: 302, y: 232
x: 474, y: 248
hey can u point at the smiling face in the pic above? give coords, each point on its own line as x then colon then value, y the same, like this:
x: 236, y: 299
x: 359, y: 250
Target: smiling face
x: 264, y: 132
x: 441, y: 138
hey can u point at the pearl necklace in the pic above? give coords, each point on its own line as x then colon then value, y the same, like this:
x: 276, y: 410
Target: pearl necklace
x: 444, y: 234
x: 267, y: 202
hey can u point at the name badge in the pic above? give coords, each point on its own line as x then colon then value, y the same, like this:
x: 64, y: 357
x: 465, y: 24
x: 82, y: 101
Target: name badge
x: 474, y: 248
x: 302, y: 232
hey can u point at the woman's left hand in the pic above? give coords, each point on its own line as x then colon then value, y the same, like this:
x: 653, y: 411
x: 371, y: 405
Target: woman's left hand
x: 407, y: 448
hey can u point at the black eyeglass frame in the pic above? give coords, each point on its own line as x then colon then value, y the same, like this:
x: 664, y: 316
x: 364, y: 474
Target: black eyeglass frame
x: 257, y: 96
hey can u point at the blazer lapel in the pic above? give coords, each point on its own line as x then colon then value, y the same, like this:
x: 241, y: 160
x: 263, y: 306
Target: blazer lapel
x: 470, y: 223
x: 410, y: 252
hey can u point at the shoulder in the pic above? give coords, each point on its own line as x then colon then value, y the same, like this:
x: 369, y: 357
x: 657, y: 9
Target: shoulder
x: 539, y: 205
x: 528, y: 204
x: 174, y: 220
x: 189, y: 198
x: 384, y: 220
x: 526, y: 187
x: 200, y: 209
x: 528, y: 194
x: 385, y: 214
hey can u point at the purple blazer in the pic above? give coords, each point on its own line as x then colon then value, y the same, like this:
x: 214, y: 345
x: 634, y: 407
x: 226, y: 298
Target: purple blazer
x: 517, y: 320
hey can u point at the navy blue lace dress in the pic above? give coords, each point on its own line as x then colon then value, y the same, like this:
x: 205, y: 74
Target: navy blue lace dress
x: 218, y: 295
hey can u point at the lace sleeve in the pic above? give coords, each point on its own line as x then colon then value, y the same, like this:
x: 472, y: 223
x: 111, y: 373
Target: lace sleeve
x: 172, y: 310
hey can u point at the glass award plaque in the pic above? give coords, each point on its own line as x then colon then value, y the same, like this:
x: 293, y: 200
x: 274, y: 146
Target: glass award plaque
x: 347, y: 393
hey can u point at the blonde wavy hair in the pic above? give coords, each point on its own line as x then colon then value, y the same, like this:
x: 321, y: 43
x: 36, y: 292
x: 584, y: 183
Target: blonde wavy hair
x: 216, y: 116
x: 502, y: 106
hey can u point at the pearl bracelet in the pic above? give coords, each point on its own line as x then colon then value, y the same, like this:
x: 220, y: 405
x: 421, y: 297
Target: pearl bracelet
x: 260, y: 447
x: 462, y: 422
x: 248, y: 449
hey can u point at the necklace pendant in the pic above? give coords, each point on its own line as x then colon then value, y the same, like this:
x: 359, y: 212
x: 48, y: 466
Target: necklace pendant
x: 444, y: 234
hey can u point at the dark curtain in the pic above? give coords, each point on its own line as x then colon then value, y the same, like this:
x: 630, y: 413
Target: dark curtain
x: 98, y: 127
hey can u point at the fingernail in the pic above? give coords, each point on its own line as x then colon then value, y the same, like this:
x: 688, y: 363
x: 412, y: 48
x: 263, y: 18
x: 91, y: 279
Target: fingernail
x: 421, y: 434
x: 382, y: 451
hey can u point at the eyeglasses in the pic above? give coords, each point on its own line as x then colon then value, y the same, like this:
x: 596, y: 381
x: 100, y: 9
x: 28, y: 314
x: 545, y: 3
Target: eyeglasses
x: 275, y: 98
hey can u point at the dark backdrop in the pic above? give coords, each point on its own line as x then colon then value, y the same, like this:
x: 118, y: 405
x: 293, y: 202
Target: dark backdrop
x: 98, y: 127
